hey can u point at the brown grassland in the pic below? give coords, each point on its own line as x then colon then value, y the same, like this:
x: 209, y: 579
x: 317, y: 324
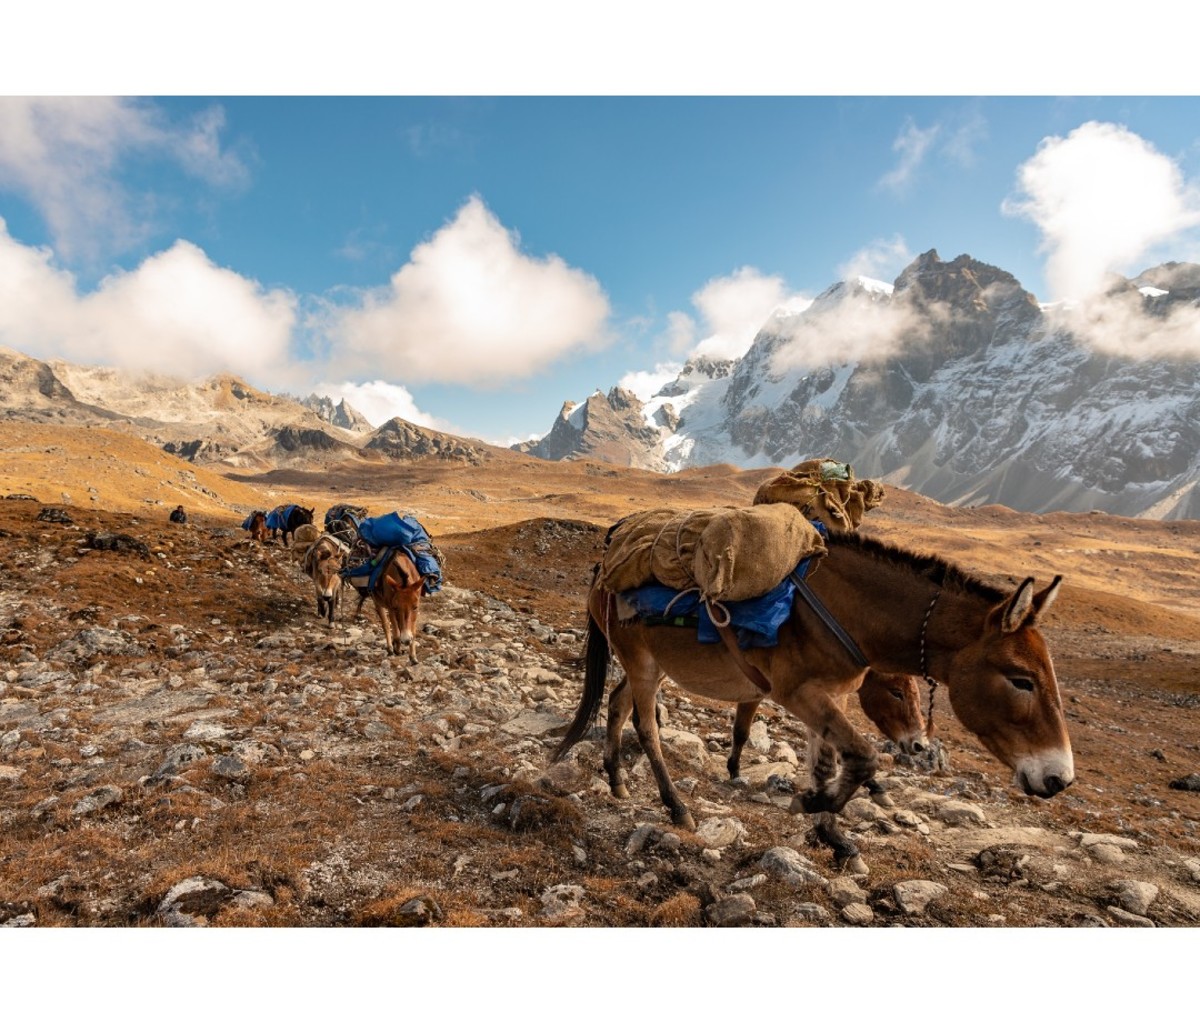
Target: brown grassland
x: 325, y: 836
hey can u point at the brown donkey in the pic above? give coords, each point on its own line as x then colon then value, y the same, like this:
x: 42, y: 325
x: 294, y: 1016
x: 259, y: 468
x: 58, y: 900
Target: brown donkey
x: 323, y: 563
x: 909, y: 614
x: 397, y: 599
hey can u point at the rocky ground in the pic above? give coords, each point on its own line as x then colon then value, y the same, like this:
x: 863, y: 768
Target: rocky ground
x: 183, y: 744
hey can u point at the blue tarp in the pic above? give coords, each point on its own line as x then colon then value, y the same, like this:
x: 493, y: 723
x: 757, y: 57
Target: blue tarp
x: 385, y: 533
x: 392, y: 530
x: 754, y: 622
x: 277, y: 519
x: 249, y: 519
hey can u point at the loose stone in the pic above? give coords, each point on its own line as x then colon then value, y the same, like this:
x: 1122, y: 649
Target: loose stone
x: 736, y: 910
x: 914, y: 896
x: 857, y: 914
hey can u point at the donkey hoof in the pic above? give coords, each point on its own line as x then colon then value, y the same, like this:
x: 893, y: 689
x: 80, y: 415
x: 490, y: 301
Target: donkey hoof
x: 810, y: 802
x: 855, y: 865
x: 683, y: 819
x: 882, y: 798
x: 620, y: 791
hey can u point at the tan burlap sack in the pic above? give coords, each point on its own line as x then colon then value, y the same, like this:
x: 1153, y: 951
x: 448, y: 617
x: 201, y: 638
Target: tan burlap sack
x: 825, y: 490
x: 304, y: 537
x: 864, y: 495
x: 745, y: 552
x: 653, y: 546
x: 729, y: 553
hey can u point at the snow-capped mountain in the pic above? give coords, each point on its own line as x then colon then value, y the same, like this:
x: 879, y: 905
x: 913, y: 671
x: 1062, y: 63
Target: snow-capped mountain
x: 956, y: 383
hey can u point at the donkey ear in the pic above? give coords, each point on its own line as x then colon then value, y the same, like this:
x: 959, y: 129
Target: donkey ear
x: 1043, y: 600
x: 1013, y: 611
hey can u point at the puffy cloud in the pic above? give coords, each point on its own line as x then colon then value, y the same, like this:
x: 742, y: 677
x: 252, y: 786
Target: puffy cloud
x: 1102, y: 198
x: 645, y: 383
x: 856, y: 329
x: 62, y: 154
x: 681, y: 332
x: 470, y: 307
x: 175, y: 313
x: 379, y: 401
x: 1119, y: 324
x: 735, y: 308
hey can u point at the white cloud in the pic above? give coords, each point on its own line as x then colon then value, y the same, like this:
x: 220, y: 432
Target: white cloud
x: 63, y: 154
x: 964, y: 135
x: 645, y: 383
x: 912, y: 144
x: 681, y: 332
x: 880, y: 260
x: 470, y: 307
x: 1102, y: 198
x: 1118, y: 324
x: 379, y: 401
x: 175, y: 313
x: 735, y: 308
x: 854, y: 330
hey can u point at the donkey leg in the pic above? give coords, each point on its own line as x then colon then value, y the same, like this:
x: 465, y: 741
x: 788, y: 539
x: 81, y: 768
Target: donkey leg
x: 386, y: 623
x: 646, y: 723
x: 620, y: 706
x: 822, y: 768
x: 741, y: 732
x: 857, y: 755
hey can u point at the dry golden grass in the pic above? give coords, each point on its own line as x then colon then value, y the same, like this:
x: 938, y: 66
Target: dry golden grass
x: 1125, y: 645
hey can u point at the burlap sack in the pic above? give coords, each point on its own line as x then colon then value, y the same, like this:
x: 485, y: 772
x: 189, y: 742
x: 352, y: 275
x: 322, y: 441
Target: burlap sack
x: 304, y: 537
x: 653, y: 546
x: 729, y: 553
x: 864, y: 495
x: 745, y: 552
x: 824, y: 490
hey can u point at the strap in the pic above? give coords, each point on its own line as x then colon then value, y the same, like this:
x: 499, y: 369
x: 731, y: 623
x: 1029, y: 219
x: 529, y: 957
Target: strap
x: 748, y: 669
x: 829, y: 621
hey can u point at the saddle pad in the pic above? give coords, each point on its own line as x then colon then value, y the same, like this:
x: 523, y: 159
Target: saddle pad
x: 755, y: 622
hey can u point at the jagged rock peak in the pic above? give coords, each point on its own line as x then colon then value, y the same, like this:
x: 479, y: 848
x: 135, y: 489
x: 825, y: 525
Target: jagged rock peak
x: 402, y: 440
x: 622, y: 400
x: 342, y: 414
x: 964, y: 283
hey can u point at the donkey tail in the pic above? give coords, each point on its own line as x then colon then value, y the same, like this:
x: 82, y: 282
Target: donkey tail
x: 595, y: 677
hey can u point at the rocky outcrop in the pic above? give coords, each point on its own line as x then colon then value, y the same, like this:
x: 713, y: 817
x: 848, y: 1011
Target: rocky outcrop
x: 606, y: 427
x: 401, y: 440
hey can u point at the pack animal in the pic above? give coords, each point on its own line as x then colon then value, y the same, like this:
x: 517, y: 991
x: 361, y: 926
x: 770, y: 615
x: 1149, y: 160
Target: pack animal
x: 323, y: 563
x: 908, y: 613
x: 397, y: 598
x: 285, y: 519
x: 258, y: 526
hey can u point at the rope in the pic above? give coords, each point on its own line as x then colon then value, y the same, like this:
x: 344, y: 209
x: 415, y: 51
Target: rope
x: 930, y: 681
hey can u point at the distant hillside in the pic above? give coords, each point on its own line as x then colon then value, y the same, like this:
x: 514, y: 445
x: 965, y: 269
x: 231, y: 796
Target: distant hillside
x: 221, y: 421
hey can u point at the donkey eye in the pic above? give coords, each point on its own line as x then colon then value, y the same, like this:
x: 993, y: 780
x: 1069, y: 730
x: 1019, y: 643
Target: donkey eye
x: 896, y: 694
x: 1024, y: 684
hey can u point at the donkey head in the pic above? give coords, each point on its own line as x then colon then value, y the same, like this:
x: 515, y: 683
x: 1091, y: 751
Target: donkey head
x: 1003, y: 688
x: 893, y: 703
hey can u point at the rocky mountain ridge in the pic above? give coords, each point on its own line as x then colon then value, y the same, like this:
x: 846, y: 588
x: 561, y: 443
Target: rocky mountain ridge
x: 222, y: 421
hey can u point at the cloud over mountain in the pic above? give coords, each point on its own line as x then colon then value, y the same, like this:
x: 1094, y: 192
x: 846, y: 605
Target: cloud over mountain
x: 471, y: 307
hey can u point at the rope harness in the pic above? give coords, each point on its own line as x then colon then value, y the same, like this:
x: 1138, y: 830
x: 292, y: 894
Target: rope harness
x: 930, y: 681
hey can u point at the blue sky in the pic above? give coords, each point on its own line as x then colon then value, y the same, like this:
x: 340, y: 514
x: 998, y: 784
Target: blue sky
x: 470, y: 261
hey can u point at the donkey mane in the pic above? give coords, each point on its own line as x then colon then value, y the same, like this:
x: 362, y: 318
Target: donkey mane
x: 938, y: 570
